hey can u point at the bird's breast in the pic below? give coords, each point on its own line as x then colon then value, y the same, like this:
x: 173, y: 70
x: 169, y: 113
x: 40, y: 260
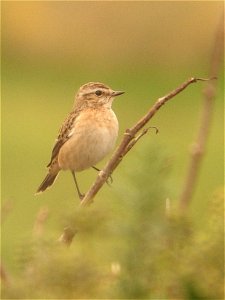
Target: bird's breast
x: 94, y: 136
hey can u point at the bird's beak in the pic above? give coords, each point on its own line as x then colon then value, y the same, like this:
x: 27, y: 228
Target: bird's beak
x: 117, y: 93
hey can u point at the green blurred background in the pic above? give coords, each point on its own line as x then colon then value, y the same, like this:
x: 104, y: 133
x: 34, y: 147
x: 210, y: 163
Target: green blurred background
x: 146, y: 49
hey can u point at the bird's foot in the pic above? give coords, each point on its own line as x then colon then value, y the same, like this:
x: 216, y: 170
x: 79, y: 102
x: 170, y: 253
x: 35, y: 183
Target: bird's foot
x: 81, y: 196
x: 109, y: 180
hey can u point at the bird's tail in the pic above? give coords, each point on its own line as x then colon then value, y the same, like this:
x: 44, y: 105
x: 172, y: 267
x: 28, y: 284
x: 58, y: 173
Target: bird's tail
x: 47, y: 182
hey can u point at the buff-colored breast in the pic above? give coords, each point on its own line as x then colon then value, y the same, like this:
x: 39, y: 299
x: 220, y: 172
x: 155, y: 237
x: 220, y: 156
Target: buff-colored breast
x: 94, y: 136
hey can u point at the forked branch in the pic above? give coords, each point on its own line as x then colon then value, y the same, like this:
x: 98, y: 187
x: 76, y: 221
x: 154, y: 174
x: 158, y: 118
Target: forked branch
x: 130, y: 139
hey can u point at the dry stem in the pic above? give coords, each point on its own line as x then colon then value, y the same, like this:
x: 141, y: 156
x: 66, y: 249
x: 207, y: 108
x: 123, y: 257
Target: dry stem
x: 67, y: 236
x: 207, y: 110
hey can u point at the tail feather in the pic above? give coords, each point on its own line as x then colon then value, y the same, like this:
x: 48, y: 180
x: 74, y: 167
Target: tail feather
x: 47, y: 182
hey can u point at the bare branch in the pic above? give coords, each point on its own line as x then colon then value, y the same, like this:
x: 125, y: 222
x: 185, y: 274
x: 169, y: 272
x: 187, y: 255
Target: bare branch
x: 40, y: 220
x: 129, y: 140
x: 5, y: 210
x: 3, y: 275
x: 199, y: 145
x: 67, y: 236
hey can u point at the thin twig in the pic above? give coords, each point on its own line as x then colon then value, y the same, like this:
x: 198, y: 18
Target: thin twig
x: 199, y: 145
x: 136, y: 139
x: 130, y: 136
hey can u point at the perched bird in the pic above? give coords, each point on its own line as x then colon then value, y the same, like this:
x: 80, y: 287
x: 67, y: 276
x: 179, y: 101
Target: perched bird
x: 87, y: 135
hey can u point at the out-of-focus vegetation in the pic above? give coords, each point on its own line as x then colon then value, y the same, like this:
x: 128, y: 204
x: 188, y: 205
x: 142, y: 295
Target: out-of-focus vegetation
x: 128, y: 245
x: 130, y: 249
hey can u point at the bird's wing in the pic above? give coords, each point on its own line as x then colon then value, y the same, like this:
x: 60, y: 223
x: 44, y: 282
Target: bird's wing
x: 65, y: 133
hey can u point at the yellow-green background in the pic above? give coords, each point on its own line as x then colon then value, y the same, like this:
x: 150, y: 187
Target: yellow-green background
x: 146, y: 49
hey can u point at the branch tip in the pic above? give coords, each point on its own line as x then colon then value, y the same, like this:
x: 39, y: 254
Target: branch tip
x: 203, y: 79
x: 154, y: 127
x: 67, y: 236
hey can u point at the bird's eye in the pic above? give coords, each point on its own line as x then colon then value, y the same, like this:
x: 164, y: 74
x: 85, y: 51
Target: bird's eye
x: 98, y: 93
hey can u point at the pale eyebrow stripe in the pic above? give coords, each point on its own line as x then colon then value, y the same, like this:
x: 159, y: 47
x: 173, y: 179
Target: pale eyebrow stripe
x: 91, y: 92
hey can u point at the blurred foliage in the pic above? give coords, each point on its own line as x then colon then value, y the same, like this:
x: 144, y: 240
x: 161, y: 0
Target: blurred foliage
x: 134, y: 248
x: 127, y: 245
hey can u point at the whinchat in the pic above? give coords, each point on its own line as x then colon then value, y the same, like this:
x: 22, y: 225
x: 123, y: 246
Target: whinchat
x: 87, y: 135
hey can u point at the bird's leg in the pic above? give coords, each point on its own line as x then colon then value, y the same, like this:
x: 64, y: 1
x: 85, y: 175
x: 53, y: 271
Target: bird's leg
x: 111, y: 179
x: 81, y: 196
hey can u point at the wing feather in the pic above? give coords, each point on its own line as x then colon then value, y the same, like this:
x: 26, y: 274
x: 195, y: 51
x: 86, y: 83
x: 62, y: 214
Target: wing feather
x: 65, y: 133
